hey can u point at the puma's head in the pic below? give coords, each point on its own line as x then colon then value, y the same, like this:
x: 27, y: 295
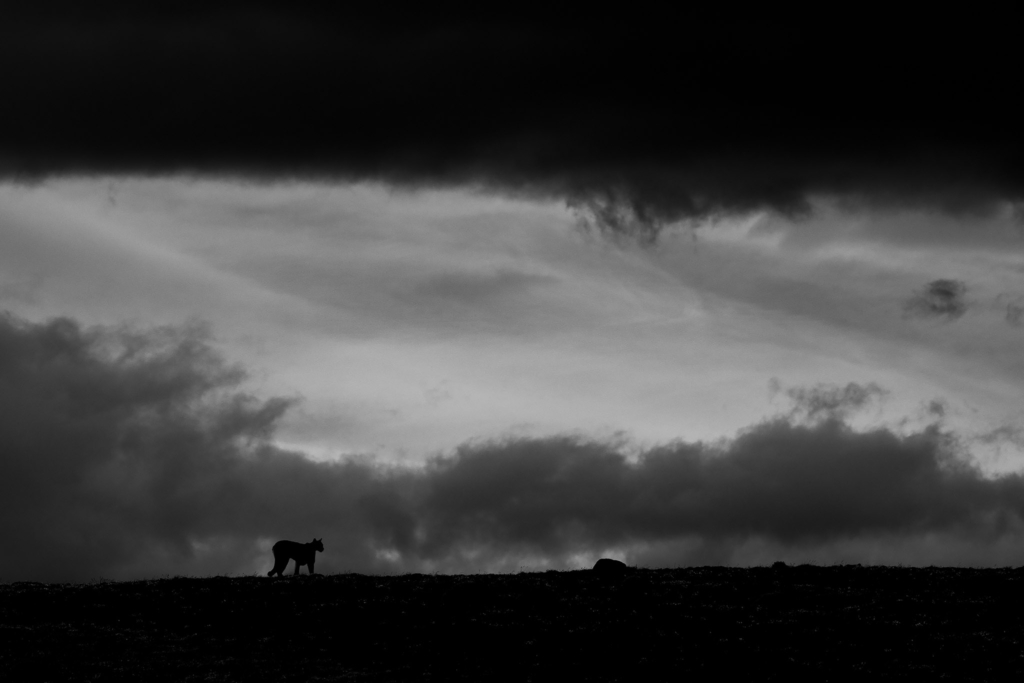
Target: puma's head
x: 318, y: 544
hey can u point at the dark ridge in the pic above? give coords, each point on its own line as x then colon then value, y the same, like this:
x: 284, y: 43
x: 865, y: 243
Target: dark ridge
x: 874, y: 622
x: 610, y: 567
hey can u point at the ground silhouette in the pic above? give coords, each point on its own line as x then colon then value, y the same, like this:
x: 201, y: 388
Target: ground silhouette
x: 609, y: 567
x: 704, y: 623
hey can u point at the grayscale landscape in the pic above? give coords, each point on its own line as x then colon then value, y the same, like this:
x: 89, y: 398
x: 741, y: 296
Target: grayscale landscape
x: 450, y: 306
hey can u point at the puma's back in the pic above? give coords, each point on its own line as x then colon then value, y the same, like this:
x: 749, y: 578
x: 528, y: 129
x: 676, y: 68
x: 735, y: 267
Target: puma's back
x: 302, y: 553
x: 293, y: 550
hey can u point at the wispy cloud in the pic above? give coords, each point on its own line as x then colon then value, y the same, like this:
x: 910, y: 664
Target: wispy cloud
x: 1008, y: 434
x: 829, y: 401
x: 940, y: 299
x: 1015, y: 314
x: 1013, y: 305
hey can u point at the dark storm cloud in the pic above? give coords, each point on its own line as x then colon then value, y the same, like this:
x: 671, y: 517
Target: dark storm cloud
x: 633, y: 120
x: 940, y: 299
x: 134, y: 453
x: 788, y: 483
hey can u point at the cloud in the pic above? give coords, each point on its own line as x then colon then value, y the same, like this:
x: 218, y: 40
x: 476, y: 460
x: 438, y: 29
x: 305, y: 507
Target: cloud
x: 474, y: 287
x: 128, y: 453
x: 830, y: 401
x: 638, y: 122
x: 1015, y: 315
x: 1008, y: 433
x: 937, y: 408
x: 787, y: 483
x: 940, y: 299
x: 1014, y: 306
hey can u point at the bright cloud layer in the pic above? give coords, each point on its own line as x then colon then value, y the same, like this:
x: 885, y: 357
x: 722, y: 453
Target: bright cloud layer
x: 136, y: 452
x: 488, y: 339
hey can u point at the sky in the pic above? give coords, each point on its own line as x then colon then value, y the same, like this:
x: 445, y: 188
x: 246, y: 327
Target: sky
x: 486, y: 294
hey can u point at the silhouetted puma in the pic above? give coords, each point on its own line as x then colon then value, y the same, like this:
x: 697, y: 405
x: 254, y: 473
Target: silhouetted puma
x: 302, y: 553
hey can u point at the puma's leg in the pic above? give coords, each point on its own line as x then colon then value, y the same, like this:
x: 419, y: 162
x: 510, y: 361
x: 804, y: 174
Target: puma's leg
x: 279, y: 564
x: 297, y: 565
x: 311, y: 567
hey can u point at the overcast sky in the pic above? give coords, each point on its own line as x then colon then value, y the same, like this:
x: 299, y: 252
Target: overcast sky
x: 482, y: 295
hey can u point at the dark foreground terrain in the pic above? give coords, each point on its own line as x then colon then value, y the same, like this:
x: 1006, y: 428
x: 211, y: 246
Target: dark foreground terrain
x: 704, y: 623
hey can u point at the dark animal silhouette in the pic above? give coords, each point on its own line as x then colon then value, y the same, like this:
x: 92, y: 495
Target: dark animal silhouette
x: 302, y: 553
x: 608, y: 567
